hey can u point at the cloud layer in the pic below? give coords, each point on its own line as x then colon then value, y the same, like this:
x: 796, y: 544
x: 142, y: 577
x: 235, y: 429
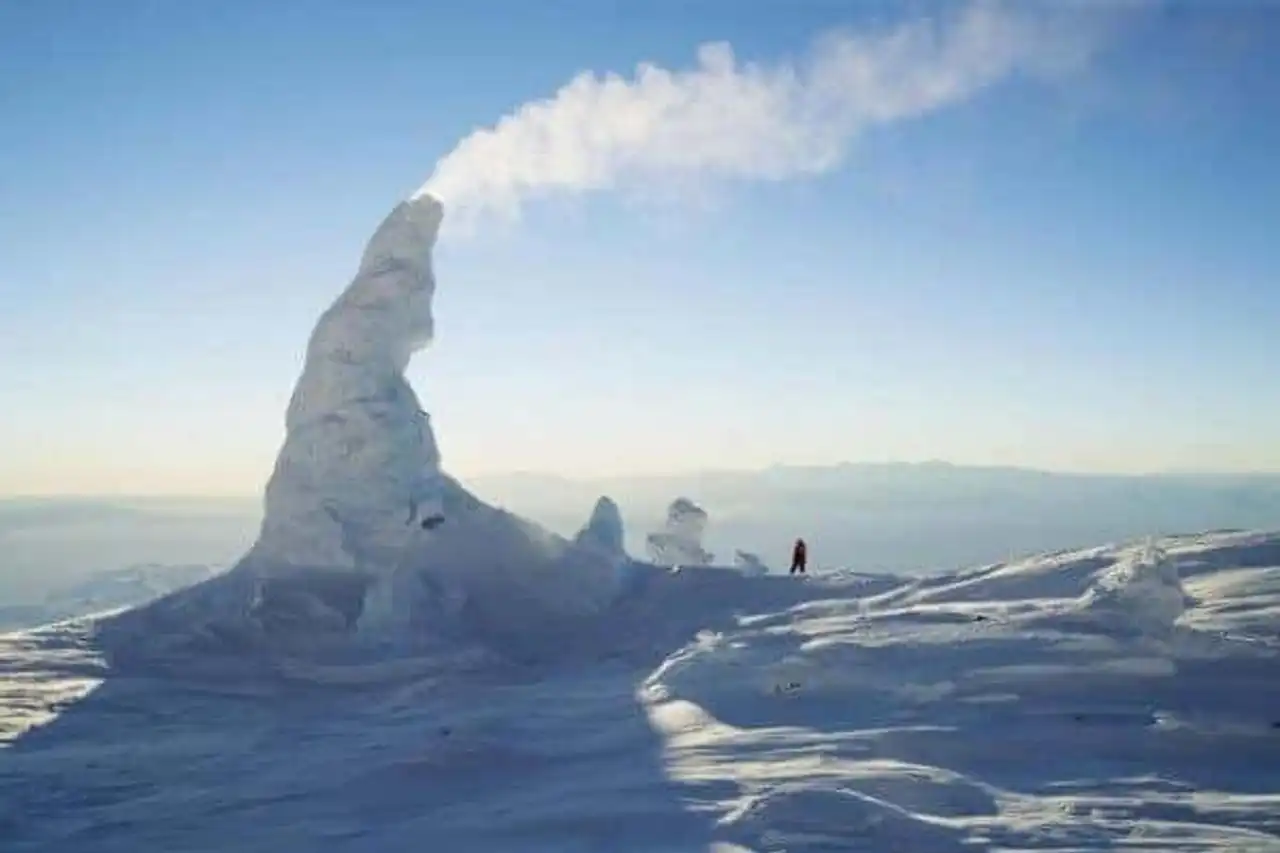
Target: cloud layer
x: 724, y: 119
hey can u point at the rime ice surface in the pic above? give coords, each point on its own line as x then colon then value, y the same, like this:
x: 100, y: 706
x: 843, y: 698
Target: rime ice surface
x: 343, y: 553
x: 359, y: 462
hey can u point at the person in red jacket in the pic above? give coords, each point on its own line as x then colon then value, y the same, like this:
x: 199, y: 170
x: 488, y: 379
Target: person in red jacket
x: 799, y: 556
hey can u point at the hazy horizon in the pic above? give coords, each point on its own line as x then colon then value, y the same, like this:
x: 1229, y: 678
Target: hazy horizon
x: 904, y: 518
x: 659, y: 475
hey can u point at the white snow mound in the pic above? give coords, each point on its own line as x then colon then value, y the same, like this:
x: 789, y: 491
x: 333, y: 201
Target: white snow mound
x: 1144, y: 588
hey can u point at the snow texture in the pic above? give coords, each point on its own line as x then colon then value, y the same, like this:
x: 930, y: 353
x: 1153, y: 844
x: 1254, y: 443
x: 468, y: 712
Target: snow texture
x: 1009, y: 707
x: 679, y: 543
x: 359, y: 461
x: 1144, y: 589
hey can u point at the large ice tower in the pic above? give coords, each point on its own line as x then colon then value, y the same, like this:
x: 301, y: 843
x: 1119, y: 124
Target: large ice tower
x: 359, y: 466
x: 364, y: 538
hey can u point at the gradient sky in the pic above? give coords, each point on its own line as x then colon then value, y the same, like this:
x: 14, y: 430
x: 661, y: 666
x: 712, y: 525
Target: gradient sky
x: 1076, y: 276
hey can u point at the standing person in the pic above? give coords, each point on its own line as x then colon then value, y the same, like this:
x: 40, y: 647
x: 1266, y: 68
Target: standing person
x: 799, y: 556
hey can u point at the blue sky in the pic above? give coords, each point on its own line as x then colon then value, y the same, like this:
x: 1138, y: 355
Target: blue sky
x: 1076, y: 274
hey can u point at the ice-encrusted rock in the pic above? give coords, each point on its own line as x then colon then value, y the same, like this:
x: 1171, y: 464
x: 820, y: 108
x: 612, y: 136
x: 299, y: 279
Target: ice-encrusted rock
x: 364, y: 536
x: 604, y: 530
x: 679, y: 543
x: 749, y: 563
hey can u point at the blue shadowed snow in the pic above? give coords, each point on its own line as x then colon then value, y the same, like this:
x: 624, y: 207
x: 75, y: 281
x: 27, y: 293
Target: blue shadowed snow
x: 1075, y: 705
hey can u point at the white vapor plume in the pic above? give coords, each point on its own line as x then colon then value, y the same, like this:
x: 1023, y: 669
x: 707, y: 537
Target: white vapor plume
x: 729, y: 120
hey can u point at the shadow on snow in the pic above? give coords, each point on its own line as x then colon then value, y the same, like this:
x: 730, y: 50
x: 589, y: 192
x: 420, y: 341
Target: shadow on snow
x: 552, y: 753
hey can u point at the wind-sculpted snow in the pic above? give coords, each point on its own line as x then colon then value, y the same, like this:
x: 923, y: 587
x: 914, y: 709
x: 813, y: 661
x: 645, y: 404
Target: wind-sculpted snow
x: 1012, y: 707
x: 1076, y: 709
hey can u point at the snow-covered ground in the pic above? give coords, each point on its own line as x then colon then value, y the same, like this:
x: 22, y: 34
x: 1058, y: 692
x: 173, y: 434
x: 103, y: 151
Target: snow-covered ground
x: 1122, y: 697
x: 105, y: 590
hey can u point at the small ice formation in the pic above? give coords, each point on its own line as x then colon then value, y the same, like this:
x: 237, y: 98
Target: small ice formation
x: 1143, y: 589
x: 749, y: 563
x: 679, y: 543
x: 364, y: 537
x: 604, y: 530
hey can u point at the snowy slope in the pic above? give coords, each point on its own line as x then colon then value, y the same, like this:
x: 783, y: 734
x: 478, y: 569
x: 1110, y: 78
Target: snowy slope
x: 1122, y: 697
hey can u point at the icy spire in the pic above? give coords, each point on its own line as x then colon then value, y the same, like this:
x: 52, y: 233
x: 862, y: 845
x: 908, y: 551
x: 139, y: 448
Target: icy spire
x: 359, y: 467
x: 604, y: 530
x: 364, y: 536
x: 680, y: 540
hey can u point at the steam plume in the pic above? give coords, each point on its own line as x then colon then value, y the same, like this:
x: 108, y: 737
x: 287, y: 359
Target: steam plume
x: 728, y: 120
